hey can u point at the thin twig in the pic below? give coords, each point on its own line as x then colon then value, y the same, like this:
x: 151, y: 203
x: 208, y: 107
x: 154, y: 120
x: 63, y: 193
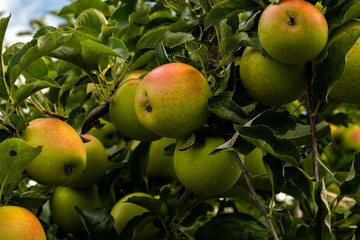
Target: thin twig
x: 182, y: 200
x: 253, y: 192
x: 312, y: 120
x: 118, y: 151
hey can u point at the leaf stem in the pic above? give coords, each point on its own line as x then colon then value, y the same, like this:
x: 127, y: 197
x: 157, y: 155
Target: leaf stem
x: 253, y: 192
x: 309, y: 75
x: 182, y: 200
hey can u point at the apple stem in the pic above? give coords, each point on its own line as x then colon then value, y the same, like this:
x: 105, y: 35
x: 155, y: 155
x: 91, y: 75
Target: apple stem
x: 253, y: 192
x: 309, y: 76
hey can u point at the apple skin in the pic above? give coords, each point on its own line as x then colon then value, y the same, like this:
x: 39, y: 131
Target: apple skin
x: 160, y: 165
x: 346, y: 90
x: 254, y: 165
x: 171, y: 100
x: 203, y: 174
x: 271, y: 82
x: 63, y: 156
x: 123, y: 116
x: 346, y: 138
x: 18, y: 223
x: 62, y: 206
x: 293, y: 31
x: 124, y: 211
x: 96, y: 163
x: 107, y: 135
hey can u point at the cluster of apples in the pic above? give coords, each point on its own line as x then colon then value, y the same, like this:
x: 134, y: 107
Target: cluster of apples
x: 292, y: 33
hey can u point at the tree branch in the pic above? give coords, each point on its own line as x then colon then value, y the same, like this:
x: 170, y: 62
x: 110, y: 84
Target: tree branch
x: 309, y: 75
x: 253, y: 192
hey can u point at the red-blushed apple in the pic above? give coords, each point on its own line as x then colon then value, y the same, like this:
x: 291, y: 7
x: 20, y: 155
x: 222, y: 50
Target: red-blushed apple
x: 161, y: 165
x: 346, y: 138
x: 62, y: 206
x: 171, y: 100
x: 271, y: 82
x: 18, y: 223
x: 124, y: 211
x: 346, y: 90
x: 123, y: 116
x: 205, y: 174
x: 293, y: 31
x: 96, y: 163
x: 63, y: 156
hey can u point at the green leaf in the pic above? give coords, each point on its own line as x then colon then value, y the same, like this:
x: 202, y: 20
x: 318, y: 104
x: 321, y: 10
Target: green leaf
x: 119, y: 46
x: 144, y: 60
x: 80, y: 5
x: 228, y: 9
x: 330, y: 70
x: 32, y: 52
x: 37, y: 69
x: 342, y: 13
x: 15, y: 156
x: 91, y: 18
x: 225, y: 107
x: 98, y: 223
x: 93, y: 52
x: 196, y: 52
x: 280, y: 121
x: 170, y: 39
x: 231, y: 226
x: 265, y: 138
x: 161, y: 55
x: 3, y: 85
x: 351, y: 185
x: 301, y: 135
x: 31, y: 87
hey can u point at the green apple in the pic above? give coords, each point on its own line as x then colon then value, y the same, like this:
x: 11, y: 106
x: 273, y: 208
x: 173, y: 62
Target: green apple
x: 107, y: 134
x: 254, y: 165
x: 159, y: 164
x: 124, y: 211
x: 63, y: 156
x: 171, y: 100
x: 123, y: 116
x: 293, y: 31
x: 62, y: 206
x: 135, y: 74
x: 204, y: 174
x: 346, y: 90
x: 96, y: 163
x: 271, y: 82
x: 18, y: 223
x: 346, y: 138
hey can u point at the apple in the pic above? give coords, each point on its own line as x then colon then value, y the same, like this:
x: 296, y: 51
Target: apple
x: 293, y: 31
x: 62, y: 206
x: 159, y: 164
x: 96, y: 163
x: 107, y: 134
x: 124, y: 211
x: 135, y: 74
x: 254, y: 165
x: 123, y: 116
x: 271, y: 82
x: 18, y: 223
x: 63, y: 156
x: 171, y: 100
x: 206, y: 174
x: 346, y: 90
x: 346, y: 138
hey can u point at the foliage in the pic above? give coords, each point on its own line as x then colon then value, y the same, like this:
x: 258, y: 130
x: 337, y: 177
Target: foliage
x: 102, y: 41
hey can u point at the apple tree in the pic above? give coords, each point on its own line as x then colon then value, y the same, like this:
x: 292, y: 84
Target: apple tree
x: 200, y: 119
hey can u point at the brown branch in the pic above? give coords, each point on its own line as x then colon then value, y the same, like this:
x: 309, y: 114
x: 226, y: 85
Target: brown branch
x: 253, y: 192
x: 309, y: 75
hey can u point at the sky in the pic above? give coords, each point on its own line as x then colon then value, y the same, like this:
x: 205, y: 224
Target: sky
x: 22, y: 11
